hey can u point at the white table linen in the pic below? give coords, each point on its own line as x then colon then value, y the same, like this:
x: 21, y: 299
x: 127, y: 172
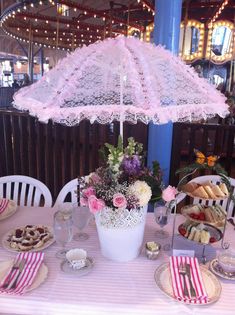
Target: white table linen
x: 110, y: 288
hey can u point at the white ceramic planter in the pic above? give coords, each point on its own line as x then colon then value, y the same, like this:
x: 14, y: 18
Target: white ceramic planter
x: 122, y: 242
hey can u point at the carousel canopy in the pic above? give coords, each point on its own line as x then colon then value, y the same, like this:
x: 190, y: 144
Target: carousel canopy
x: 121, y: 79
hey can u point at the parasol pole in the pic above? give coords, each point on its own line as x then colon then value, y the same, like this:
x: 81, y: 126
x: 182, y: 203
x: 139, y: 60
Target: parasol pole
x: 121, y: 103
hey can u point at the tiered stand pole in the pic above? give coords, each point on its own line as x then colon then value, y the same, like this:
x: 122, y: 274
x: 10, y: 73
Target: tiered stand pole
x: 225, y: 245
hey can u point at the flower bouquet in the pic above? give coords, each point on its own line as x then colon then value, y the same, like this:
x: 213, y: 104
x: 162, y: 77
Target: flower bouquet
x: 118, y: 194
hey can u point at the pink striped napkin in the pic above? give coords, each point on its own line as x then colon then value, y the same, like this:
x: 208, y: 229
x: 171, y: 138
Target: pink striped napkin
x: 196, y: 278
x: 3, y: 204
x: 33, y: 262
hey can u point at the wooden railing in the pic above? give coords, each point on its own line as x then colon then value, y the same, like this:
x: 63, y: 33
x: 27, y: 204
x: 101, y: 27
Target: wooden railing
x: 209, y: 138
x: 55, y: 153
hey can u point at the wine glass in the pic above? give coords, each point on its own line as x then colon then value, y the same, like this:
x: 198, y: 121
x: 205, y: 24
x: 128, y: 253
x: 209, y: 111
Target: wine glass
x: 81, y: 217
x: 63, y: 230
x: 161, y: 216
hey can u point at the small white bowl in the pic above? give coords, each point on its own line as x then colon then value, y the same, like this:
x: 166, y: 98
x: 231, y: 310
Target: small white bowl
x: 77, y: 257
x: 227, y: 261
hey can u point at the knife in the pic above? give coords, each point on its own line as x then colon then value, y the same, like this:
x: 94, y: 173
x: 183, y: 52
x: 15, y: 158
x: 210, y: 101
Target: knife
x: 21, y: 268
x: 188, y: 272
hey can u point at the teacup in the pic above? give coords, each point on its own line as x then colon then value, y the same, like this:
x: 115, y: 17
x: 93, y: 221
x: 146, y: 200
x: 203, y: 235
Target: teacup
x: 227, y: 261
x: 77, y: 258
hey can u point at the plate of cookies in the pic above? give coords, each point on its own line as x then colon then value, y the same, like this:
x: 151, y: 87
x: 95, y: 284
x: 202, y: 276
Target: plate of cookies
x: 206, y: 190
x: 30, y: 238
x: 203, y: 213
x: 201, y: 233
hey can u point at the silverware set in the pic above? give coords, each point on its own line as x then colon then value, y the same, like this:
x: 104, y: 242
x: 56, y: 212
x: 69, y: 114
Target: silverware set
x: 19, y: 265
x: 185, y: 271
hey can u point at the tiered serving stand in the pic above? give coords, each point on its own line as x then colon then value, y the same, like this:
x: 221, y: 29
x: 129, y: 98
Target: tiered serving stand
x: 217, y: 231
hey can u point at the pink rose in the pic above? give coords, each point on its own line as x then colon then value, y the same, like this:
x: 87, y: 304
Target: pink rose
x: 119, y: 200
x: 169, y: 193
x: 95, y: 204
x: 90, y: 191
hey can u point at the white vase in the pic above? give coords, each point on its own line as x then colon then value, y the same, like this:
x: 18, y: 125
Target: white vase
x: 121, y: 233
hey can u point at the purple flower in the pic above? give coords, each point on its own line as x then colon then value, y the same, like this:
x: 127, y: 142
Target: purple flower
x: 131, y: 165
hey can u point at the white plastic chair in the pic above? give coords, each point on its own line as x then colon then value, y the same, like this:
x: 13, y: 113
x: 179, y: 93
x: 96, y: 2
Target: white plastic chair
x: 68, y: 191
x: 25, y: 191
x: 215, y: 179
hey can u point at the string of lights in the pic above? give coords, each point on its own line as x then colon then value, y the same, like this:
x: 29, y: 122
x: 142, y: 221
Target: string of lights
x: 15, y: 23
x: 218, y: 12
x: 147, y: 5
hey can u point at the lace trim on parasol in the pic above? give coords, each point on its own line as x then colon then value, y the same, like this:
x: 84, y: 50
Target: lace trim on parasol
x: 123, y: 218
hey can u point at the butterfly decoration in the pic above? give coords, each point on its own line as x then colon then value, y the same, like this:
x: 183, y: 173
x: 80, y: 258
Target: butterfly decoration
x: 202, y: 159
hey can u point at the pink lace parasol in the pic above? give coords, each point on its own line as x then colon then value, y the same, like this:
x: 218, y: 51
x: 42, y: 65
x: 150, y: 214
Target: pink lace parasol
x: 121, y: 79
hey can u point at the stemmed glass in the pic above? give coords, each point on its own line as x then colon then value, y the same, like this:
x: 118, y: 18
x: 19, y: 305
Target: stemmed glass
x: 81, y: 217
x: 63, y: 230
x: 161, y: 213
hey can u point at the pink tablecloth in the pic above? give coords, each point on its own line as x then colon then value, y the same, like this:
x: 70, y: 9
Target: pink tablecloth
x: 111, y: 288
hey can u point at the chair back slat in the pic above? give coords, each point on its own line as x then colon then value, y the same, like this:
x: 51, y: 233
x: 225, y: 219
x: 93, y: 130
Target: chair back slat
x: 16, y: 191
x: 37, y: 197
x: 1, y: 189
x: 29, y: 196
x: 8, y: 190
x: 23, y: 194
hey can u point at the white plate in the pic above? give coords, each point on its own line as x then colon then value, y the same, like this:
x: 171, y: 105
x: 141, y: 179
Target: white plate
x: 214, y: 232
x: 6, y: 244
x: 40, y: 277
x: 11, y: 209
x: 191, y: 195
x: 67, y: 267
x: 218, y: 270
x: 212, y: 285
x: 187, y: 216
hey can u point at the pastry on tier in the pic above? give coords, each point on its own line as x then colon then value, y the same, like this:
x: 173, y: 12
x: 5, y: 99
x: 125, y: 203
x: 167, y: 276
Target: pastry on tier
x: 209, y: 214
x: 206, y: 190
x: 199, y: 232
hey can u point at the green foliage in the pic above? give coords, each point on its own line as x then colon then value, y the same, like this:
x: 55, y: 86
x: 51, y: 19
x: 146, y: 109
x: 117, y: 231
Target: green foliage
x: 156, y: 168
x: 133, y: 147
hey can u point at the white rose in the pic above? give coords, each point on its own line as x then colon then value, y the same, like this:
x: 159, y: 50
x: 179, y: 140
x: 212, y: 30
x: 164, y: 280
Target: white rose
x: 142, y: 191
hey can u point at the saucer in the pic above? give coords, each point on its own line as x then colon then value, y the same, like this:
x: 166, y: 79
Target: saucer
x: 67, y: 267
x: 218, y: 270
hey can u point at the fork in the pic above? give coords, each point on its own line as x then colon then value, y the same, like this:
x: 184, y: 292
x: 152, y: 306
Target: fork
x: 183, y: 272
x: 21, y: 268
x: 16, y: 266
x: 188, y: 272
